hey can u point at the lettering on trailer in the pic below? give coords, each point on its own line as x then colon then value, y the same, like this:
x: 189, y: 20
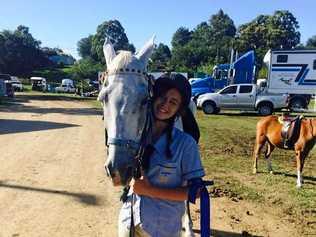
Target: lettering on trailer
x: 287, y: 77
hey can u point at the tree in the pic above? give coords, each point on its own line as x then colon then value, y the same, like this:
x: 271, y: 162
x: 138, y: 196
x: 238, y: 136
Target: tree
x: 86, y: 68
x: 181, y: 37
x: 206, y: 44
x: 116, y: 33
x: 282, y: 30
x: 268, y: 32
x: 21, y: 53
x: 222, y: 26
x: 311, y: 42
x: 84, y: 47
x: 160, y: 58
x: 222, y: 34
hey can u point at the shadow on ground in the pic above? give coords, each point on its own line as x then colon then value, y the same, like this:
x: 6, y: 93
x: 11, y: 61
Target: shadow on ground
x: 19, y: 105
x: 221, y: 233
x: 17, y: 126
x: 85, y: 198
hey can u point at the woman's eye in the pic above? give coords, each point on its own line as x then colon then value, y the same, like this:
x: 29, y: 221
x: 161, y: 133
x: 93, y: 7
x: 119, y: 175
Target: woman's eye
x: 174, y: 103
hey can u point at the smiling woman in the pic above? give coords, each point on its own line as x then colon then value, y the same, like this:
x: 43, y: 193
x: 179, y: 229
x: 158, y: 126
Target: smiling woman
x: 172, y: 163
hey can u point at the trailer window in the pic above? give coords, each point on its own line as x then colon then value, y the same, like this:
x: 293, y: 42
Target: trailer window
x: 282, y: 58
x: 314, y: 65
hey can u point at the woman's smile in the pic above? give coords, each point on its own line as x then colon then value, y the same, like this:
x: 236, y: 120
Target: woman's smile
x: 167, y: 105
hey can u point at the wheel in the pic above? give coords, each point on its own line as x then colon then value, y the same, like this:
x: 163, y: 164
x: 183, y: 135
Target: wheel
x: 265, y: 109
x: 209, y: 107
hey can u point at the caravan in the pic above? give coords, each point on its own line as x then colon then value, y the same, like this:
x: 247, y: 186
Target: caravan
x: 292, y: 72
x: 38, y: 83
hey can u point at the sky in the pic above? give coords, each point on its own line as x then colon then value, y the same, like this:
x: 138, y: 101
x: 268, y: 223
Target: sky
x: 62, y: 23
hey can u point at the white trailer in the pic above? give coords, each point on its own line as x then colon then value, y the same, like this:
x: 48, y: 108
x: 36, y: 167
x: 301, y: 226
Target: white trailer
x: 292, y: 72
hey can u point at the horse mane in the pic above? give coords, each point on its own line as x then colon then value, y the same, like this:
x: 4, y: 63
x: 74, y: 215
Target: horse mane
x: 125, y: 59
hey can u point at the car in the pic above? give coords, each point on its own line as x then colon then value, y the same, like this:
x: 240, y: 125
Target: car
x: 16, y: 83
x: 65, y: 89
x: 8, y: 88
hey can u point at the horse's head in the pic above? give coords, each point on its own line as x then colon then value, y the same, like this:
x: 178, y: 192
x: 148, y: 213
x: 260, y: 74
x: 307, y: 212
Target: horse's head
x: 124, y: 97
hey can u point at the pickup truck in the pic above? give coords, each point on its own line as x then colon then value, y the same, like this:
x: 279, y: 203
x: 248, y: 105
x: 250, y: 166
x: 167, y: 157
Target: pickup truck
x: 65, y: 89
x: 242, y: 97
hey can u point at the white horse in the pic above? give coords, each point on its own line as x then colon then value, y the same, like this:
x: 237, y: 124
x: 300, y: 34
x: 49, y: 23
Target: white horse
x: 124, y: 96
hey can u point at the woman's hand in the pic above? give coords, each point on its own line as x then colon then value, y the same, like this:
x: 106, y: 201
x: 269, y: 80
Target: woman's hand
x: 141, y: 186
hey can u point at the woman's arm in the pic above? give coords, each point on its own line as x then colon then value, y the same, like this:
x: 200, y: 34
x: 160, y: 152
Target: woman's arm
x: 143, y: 187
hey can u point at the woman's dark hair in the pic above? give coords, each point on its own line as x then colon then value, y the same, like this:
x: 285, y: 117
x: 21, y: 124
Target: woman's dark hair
x: 176, y: 81
x: 180, y: 83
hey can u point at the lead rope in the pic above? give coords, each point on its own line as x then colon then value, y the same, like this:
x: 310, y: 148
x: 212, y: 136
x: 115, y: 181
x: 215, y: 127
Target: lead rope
x: 139, y: 159
x: 205, y: 206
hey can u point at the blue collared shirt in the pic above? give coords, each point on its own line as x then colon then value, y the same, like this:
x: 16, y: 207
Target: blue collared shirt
x: 160, y: 217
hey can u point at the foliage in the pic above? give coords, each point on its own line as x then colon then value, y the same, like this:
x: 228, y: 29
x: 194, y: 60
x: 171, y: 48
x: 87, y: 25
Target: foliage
x: 181, y: 37
x: 51, y: 51
x: 86, y: 68
x: 160, y: 58
x: 208, y: 43
x: 20, y: 53
x: 268, y: 32
x: 311, y: 42
x: 53, y: 74
x: 116, y: 33
x: 84, y: 47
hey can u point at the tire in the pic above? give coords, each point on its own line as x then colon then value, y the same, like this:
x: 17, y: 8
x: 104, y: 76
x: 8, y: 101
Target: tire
x: 265, y: 109
x: 209, y: 107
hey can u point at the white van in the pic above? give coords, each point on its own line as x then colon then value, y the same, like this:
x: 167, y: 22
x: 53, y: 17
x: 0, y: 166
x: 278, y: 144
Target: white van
x: 38, y: 83
x: 67, y: 82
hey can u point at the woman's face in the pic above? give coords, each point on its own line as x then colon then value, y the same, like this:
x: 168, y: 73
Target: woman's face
x: 167, y: 105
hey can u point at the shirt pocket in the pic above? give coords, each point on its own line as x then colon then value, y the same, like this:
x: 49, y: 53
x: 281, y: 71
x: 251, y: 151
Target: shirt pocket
x: 169, y: 176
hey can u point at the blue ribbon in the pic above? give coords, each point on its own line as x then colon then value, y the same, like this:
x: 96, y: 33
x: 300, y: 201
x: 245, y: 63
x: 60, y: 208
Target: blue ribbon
x: 195, y: 186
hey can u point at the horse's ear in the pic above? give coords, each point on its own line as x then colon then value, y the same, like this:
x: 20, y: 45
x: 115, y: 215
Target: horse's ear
x: 108, y: 51
x: 146, y: 51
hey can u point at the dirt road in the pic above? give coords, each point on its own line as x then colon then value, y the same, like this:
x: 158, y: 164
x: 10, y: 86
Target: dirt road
x: 51, y: 174
x: 52, y: 181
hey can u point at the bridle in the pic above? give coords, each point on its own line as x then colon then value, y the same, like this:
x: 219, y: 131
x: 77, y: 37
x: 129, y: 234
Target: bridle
x: 137, y: 147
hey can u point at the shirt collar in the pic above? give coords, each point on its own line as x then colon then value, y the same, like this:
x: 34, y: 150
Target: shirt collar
x: 161, y: 144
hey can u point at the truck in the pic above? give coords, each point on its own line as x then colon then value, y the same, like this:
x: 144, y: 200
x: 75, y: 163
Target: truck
x: 242, y: 70
x: 246, y: 97
x: 293, y: 72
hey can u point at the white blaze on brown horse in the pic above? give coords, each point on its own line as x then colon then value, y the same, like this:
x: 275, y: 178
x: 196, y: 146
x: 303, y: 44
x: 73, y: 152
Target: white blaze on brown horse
x: 269, y: 132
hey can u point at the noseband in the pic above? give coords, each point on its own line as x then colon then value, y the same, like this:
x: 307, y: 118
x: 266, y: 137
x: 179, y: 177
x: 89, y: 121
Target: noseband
x: 137, y: 147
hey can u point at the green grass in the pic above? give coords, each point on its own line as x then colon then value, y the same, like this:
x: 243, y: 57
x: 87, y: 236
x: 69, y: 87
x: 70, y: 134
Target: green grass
x: 226, y: 147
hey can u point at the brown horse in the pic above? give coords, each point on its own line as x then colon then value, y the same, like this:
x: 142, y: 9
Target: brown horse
x: 269, y: 131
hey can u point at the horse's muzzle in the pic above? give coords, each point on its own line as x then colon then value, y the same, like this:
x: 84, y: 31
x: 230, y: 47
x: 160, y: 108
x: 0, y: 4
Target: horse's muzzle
x: 119, y: 177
